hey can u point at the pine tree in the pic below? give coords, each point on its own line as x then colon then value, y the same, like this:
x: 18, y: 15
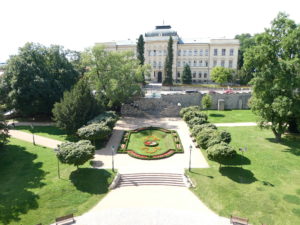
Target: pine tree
x: 186, y: 77
x: 168, y: 64
x: 140, y: 49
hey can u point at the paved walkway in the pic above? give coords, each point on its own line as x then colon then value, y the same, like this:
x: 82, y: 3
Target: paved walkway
x: 151, y: 205
x: 126, y: 164
x: 39, y: 140
x: 242, y: 124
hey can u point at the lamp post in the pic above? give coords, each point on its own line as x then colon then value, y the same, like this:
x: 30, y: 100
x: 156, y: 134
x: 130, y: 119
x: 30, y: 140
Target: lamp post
x: 32, y: 131
x: 112, y: 158
x: 58, y: 171
x: 191, y: 147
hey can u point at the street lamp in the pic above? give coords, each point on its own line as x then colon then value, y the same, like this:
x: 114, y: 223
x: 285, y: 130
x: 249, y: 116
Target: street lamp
x: 191, y: 147
x: 56, y: 150
x: 179, y: 104
x: 32, y: 131
x: 112, y: 158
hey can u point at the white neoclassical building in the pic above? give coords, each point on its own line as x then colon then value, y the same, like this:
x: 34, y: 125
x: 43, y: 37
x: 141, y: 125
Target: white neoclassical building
x: 201, y: 54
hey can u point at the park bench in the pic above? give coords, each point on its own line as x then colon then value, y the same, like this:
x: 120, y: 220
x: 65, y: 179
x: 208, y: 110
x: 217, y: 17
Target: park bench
x: 238, y: 220
x: 65, y: 219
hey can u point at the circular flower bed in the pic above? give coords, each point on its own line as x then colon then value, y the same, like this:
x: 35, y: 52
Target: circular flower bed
x: 151, y: 143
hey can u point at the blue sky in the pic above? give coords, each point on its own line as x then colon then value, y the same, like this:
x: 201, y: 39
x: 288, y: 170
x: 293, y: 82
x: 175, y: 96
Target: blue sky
x: 77, y: 24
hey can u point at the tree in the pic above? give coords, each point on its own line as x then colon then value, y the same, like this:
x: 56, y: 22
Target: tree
x: 221, y: 75
x: 115, y: 76
x: 75, y: 153
x: 37, y: 78
x: 4, y: 136
x: 76, y: 107
x: 206, y: 101
x: 168, y: 64
x: 220, y: 152
x: 186, y: 77
x: 276, y: 60
x: 140, y: 52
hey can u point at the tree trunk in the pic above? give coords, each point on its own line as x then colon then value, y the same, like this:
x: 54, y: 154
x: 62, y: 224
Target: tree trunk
x: 277, y: 135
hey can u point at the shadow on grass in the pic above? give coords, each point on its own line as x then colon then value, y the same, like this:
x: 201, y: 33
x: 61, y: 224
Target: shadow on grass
x: 238, y: 174
x: 216, y: 115
x: 18, y: 173
x: 291, y: 141
x: 211, y: 177
x: 238, y: 160
x: 93, y: 181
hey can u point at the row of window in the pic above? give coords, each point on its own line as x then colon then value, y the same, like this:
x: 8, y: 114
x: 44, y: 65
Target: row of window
x: 223, y: 52
x: 222, y: 63
x: 157, y: 52
x: 195, y: 63
x: 195, y: 74
x: 200, y: 52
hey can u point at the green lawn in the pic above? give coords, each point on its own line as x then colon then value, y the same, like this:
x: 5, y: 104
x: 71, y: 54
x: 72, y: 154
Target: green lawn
x: 48, y: 131
x: 31, y: 193
x: 266, y: 186
x: 231, y: 116
x: 164, y: 140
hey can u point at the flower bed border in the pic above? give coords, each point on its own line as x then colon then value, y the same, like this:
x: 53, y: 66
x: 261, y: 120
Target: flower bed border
x: 123, y: 147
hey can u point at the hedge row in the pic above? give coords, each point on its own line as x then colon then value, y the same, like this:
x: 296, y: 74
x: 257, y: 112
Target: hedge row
x: 207, y: 136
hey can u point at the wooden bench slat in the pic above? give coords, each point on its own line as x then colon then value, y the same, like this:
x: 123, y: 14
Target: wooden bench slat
x: 239, y: 220
x: 65, y: 218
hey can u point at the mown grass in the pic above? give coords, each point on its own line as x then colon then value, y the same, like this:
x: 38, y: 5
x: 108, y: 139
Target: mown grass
x: 231, y: 116
x: 49, y: 132
x: 262, y: 185
x: 31, y: 193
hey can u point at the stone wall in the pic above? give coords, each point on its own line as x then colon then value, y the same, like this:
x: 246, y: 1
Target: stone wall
x: 167, y: 105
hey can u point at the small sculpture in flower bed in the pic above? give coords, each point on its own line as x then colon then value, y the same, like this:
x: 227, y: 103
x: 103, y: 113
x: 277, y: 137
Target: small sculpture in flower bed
x: 151, y: 143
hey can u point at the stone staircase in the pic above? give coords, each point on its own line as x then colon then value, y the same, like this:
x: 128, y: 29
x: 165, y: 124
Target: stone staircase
x: 166, y: 179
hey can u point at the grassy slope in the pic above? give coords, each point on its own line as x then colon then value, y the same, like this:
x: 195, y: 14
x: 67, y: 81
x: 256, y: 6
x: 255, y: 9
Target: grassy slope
x: 231, y: 116
x: 136, y: 141
x: 48, y: 131
x: 266, y: 189
x: 30, y: 191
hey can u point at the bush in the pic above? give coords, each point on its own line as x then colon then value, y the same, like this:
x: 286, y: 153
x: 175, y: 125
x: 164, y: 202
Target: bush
x: 220, y: 152
x: 197, y: 128
x: 192, y: 114
x: 196, y: 121
x: 75, y: 153
x: 188, y: 109
x: 225, y: 136
x: 204, y: 136
x: 4, y: 136
x: 214, y: 141
x: 95, y: 131
x: 109, y: 118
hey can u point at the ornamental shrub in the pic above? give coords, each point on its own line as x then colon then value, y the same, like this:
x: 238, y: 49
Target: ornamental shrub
x: 103, y: 117
x: 197, y: 128
x: 75, y: 153
x: 204, y: 136
x: 188, y: 109
x: 95, y: 131
x: 225, y: 136
x: 196, y: 121
x: 214, y: 141
x: 220, y: 153
x: 192, y: 114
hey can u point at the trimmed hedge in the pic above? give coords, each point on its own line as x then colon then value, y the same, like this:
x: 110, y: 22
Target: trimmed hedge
x: 196, y: 121
x: 204, y: 136
x: 188, y: 109
x: 197, y: 128
x: 95, y: 131
x: 220, y: 152
x: 192, y: 114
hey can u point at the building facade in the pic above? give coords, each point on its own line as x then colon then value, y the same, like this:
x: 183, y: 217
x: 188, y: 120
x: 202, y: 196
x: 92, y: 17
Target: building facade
x: 201, y: 55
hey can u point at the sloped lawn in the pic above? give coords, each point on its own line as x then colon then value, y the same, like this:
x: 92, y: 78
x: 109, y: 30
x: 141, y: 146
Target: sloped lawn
x: 263, y: 185
x: 31, y: 193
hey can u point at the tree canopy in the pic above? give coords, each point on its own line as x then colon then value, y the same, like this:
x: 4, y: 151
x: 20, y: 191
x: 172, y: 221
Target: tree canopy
x: 221, y: 75
x: 115, y: 76
x: 3, y: 131
x: 36, y: 78
x: 206, y: 101
x: 276, y: 82
x: 186, y: 77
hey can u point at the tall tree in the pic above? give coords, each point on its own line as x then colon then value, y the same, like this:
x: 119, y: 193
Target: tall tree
x: 276, y: 59
x: 221, y: 75
x: 186, y: 77
x: 76, y: 108
x: 115, y: 76
x: 246, y: 41
x: 169, y: 63
x: 206, y: 101
x: 37, y: 78
x: 140, y: 52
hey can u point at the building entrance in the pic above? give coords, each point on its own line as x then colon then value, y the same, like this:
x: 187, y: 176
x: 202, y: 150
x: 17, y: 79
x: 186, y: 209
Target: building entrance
x: 159, y: 77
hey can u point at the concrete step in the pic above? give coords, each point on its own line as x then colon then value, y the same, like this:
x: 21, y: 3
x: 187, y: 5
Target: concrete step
x: 137, y: 179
